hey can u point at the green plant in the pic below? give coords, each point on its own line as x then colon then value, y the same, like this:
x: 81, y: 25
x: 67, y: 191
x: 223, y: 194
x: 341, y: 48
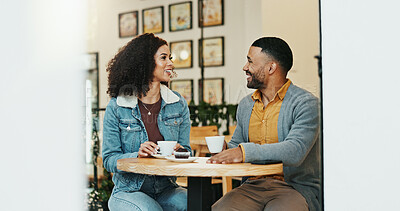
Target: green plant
x: 206, y: 114
x: 98, y: 198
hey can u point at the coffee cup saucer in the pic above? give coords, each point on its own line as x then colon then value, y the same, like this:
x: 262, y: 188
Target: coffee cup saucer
x: 159, y: 156
x: 181, y: 160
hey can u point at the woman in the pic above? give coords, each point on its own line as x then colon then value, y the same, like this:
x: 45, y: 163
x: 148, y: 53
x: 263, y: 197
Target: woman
x: 142, y: 111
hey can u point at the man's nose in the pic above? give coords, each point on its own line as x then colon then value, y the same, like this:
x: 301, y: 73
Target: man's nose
x: 246, y: 67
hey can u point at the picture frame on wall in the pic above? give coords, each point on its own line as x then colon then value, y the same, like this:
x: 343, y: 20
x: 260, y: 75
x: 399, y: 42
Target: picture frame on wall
x: 153, y: 20
x: 183, y: 87
x: 213, y: 13
x: 182, y: 52
x: 128, y: 24
x: 213, y: 91
x: 180, y: 16
x: 213, y: 52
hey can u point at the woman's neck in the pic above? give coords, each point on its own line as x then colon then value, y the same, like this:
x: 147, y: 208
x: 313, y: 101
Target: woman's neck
x: 153, y: 95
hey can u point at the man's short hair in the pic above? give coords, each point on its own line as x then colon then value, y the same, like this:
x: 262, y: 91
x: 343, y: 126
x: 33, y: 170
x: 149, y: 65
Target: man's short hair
x: 278, y: 49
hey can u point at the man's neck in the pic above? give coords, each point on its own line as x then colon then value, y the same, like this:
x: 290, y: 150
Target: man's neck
x: 268, y: 93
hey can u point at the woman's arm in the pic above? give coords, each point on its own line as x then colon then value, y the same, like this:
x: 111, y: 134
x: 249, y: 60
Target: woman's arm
x: 112, y: 147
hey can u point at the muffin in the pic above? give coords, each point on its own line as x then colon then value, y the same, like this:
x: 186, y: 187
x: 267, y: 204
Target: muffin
x: 182, y: 153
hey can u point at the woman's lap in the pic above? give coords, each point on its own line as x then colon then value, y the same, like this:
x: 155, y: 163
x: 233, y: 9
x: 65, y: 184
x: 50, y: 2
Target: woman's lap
x: 172, y: 199
x: 121, y: 201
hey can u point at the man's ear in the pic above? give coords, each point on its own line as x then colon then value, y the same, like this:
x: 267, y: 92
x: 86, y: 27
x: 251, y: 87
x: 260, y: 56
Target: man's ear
x: 272, y: 68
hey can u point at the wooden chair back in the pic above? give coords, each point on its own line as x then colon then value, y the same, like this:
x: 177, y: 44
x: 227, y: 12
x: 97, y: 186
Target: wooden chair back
x: 204, y: 131
x: 197, y: 138
x: 232, y: 129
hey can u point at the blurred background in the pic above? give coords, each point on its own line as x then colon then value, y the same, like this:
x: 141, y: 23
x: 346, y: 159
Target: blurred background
x: 54, y: 55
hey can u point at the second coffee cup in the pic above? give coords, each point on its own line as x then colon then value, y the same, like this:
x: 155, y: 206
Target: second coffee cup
x: 215, y: 143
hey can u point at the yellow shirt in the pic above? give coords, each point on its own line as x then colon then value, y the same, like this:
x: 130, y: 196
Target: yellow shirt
x: 263, y: 126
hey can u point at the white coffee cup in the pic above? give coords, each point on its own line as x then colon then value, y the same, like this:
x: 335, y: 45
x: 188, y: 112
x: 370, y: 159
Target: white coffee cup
x: 215, y: 143
x: 166, y: 147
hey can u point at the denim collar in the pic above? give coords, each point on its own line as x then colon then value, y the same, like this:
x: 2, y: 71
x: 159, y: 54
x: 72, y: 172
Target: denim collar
x: 131, y: 101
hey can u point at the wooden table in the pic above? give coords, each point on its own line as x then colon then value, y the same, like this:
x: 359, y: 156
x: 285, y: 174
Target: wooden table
x: 199, y: 174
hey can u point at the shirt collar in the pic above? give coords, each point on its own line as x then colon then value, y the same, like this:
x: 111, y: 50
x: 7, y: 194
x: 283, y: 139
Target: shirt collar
x: 131, y: 101
x: 280, y: 93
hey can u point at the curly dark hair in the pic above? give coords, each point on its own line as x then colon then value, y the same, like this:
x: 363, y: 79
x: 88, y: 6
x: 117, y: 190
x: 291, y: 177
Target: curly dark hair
x: 131, y: 70
x: 278, y: 49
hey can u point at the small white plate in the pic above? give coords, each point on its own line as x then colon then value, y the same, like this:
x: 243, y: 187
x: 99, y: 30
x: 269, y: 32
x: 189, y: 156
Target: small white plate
x: 173, y: 159
x: 159, y: 156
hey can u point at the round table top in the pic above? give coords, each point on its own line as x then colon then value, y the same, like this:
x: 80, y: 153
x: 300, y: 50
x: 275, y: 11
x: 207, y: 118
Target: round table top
x: 198, y: 168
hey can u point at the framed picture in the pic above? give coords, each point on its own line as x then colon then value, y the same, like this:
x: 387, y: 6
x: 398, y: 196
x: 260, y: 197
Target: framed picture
x: 184, y: 87
x: 128, y: 24
x: 213, y: 52
x: 180, y: 16
x: 213, y: 91
x: 213, y: 13
x: 182, y: 52
x: 153, y: 20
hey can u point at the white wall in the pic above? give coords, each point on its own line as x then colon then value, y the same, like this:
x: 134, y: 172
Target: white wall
x: 360, y: 49
x: 42, y: 156
x: 297, y: 23
x: 242, y: 25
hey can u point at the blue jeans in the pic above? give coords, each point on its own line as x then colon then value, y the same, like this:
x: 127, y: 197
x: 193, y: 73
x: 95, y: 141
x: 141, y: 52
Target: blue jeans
x: 156, y: 193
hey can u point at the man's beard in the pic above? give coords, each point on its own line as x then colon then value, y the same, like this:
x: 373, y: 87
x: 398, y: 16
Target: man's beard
x: 254, y: 83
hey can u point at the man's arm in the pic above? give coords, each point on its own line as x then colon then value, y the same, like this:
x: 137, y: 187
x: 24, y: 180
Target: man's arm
x: 292, y: 151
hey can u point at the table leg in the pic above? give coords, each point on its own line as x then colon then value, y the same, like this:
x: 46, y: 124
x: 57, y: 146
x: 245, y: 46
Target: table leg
x: 199, y: 193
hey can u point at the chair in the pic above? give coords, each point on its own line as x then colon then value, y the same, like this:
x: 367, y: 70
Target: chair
x: 199, y: 145
x: 197, y: 139
x: 100, y: 174
x: 232, y: 129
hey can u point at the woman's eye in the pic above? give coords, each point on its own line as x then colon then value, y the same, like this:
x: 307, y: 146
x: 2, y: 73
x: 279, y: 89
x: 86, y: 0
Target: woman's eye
x: 163, y: 58
x: 170, y: 58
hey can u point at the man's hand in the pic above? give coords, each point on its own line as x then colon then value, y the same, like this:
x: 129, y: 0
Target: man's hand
x: 147, y: 148
x: 228, y: 156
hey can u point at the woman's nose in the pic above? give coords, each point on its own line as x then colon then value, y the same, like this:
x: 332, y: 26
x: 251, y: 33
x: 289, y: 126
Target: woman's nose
x: 170, y: 62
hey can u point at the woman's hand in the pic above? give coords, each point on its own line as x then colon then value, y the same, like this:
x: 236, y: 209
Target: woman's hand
x: 147, y: 149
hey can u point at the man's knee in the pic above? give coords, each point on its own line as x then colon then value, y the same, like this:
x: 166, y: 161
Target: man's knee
x: 237, y: 200
x: 292, y: 201
x: 225, y: 202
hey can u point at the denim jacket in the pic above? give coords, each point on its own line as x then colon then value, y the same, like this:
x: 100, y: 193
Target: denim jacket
x: 124, y: 131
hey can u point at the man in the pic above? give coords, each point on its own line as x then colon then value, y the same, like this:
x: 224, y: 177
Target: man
x: 278, y: 122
